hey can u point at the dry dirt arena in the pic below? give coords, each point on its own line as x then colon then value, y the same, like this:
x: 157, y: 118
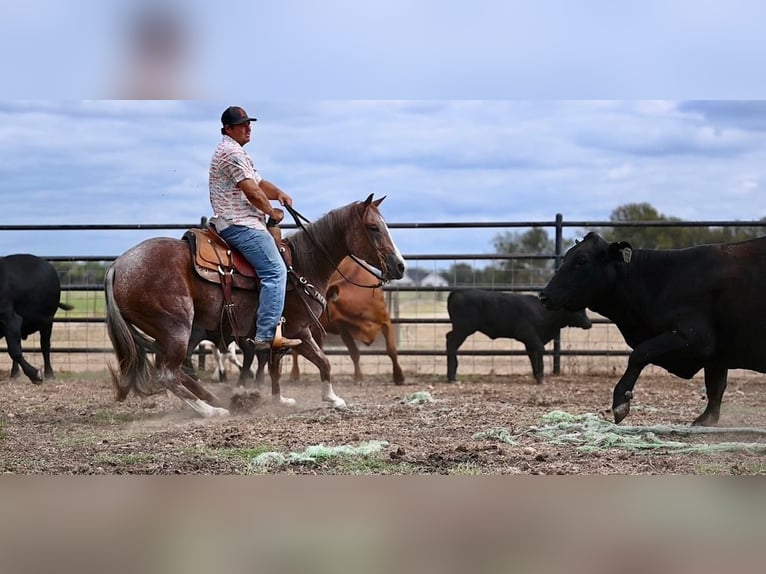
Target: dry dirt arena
x: 481, y: 425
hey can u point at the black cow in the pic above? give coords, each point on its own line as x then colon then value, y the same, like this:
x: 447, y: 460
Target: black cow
x: 682, y: 309
x: 30, y: 293
x: 520, y: 317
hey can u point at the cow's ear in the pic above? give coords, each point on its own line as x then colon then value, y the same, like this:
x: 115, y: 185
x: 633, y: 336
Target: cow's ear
x: 620, y: 250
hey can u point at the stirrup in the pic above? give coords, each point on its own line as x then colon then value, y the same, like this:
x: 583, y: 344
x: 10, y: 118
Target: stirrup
x: 281, y: 342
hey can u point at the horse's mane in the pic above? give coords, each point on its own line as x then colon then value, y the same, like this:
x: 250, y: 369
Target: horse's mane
x: 322, y: 231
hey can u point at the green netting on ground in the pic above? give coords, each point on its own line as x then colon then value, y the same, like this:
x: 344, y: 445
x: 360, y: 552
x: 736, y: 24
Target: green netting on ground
x: 418, y: 398
x: 316, y: 454
x: 589, y: 432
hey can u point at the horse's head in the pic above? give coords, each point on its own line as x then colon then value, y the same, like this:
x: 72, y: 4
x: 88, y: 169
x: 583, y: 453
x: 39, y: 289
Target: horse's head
x: 369, y: 239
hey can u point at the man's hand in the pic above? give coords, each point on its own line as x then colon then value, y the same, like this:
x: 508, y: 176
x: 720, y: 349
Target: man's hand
x: 277, y: 215
x: 284, y: 199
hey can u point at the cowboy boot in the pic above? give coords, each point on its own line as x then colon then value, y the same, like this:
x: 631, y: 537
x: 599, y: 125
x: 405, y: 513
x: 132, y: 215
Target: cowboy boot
x: 281, y: 342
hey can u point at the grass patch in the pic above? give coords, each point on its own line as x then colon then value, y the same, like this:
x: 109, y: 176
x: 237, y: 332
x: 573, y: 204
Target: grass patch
x: 128, y: 459
x: 86, y: 304
x: 361, y: 465
x: 466, y: 469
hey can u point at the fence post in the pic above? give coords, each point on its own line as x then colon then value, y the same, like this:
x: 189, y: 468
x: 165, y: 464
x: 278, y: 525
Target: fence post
x: 559, y: 241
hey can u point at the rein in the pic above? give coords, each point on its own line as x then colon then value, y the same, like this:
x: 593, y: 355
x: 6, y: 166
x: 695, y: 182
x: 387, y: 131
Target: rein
x: 298, y: 217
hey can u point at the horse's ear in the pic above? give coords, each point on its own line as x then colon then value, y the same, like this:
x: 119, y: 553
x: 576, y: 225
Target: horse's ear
x: 377, y: 202
x: 368, y: 201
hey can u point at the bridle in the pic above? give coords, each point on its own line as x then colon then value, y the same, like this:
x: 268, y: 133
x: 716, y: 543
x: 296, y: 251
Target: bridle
x: 298, y: 222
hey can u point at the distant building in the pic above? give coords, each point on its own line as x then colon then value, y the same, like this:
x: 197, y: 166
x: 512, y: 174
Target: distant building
x: 433, y: 280
x: 405, y: 281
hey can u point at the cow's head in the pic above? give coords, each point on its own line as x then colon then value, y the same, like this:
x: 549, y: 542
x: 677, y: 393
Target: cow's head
x: 587, y: 273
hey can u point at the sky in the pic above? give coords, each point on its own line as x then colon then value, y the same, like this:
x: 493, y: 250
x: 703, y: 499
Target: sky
x: 457, y: 112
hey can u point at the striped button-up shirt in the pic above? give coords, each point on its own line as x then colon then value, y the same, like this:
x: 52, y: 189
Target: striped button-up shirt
x: 230, y: 165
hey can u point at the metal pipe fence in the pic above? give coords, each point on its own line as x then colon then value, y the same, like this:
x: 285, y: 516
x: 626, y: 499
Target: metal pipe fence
x: 418, y: 310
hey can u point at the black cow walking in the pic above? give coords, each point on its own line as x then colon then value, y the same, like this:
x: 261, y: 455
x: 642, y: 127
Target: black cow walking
x: 30, y: 293
x: 520, y: 317
x: 682, y: 309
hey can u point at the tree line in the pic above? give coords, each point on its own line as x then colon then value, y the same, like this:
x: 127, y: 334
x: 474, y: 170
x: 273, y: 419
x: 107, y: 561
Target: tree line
x: 535, y: 273
x: 81, y: 272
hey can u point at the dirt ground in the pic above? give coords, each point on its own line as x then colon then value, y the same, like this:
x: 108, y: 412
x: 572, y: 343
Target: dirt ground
x: 72, y: 425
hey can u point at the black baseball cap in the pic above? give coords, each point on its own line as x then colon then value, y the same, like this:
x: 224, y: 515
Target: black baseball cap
x: 234, y: 115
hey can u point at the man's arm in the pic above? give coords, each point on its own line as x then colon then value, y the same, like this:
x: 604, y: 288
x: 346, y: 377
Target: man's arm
x: 257, y: 195
x: 273, y: 192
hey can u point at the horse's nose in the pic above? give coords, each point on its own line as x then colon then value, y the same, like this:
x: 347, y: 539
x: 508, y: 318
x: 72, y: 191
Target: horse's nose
x: 396, y: 267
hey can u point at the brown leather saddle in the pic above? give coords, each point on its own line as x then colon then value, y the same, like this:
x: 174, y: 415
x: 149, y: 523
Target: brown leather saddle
x: 215, y: 261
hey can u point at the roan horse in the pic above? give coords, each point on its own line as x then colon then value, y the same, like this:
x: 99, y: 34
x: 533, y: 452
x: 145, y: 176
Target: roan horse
x: 156, y: 303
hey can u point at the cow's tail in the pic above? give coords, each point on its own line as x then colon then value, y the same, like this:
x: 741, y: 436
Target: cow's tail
x: 135, y: 371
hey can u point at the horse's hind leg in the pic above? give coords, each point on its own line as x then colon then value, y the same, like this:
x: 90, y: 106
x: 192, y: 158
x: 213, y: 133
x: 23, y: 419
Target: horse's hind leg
x: 353, y: 350
x: 192, y: 393
x: 388, y: 335
x: 182, y: 385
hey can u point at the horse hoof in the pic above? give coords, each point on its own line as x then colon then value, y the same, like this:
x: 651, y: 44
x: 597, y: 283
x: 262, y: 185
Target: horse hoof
x: 620, y: 412
x: 220, y: 412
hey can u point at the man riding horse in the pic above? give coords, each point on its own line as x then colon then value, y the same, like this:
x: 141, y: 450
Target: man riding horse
x: 241, y: 198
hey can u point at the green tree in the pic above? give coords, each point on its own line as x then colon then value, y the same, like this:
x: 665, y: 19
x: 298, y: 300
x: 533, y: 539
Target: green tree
x: 521, y: 271
x: 461, y: 275
x: 671, y: 237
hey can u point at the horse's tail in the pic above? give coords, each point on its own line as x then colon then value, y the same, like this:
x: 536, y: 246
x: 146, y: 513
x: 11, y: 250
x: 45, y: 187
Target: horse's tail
x: 135, y: 370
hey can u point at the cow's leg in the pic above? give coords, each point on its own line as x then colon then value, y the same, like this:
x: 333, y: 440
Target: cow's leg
x: 454, y: 340
x: 353, y: 350
x: 641, y: 356
x: 13, y: 341
x: 15, y: 370
x: 45, y: 347
x: 715, y: 385
x: 388, y: 334
x: 535, y: 350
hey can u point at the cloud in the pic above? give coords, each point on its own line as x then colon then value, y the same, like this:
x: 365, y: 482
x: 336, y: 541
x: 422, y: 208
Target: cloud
x: 439, y: 161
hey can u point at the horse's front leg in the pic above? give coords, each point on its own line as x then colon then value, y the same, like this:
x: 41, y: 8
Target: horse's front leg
x: 313, y: 352
x: 275, y: 374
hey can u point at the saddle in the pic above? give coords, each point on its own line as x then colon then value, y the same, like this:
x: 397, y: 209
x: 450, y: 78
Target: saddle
x: 213, y: 259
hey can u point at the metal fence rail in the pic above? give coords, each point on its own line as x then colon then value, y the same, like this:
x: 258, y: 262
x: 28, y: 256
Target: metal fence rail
x: 558, y: 224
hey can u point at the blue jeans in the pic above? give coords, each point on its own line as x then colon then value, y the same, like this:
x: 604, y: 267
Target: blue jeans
x: 260, y: 249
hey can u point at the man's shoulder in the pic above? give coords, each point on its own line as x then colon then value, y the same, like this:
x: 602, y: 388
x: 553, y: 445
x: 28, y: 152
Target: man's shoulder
x: 229, y: 149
